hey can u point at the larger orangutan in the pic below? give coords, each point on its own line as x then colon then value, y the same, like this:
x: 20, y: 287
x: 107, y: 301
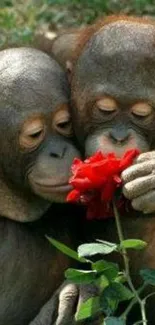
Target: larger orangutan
x: 112, y: 76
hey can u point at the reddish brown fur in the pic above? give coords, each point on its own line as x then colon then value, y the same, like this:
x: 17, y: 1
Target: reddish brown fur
x: 89, y: 31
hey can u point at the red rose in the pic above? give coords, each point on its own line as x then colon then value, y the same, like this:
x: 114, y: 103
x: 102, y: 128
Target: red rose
x: 96, y: 179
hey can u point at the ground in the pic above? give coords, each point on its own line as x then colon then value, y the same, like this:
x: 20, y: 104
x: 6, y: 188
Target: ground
x: 20, y: 20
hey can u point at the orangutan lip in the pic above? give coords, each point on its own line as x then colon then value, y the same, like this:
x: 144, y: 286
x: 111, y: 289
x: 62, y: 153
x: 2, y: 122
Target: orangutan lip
x: 55, y: 188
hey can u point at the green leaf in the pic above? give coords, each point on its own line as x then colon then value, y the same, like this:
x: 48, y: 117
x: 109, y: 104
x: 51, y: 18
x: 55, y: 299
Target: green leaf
x: 148, y: 276
x: 107, y: 243
x: 133, y: 244
x: 110, y: 270
x: 95, y: 248
x: 88, y: 309
x: 109, y: 304
x: 121, y: 278
x: 80, y: 276
x: 66, y: 250
x: 112, y: 295
x: 103, y: 265
x: 113, y: 321
x: 102, y: 282
x: 120, y: 291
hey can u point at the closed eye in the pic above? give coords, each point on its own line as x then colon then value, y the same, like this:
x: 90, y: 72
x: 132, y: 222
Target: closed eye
x: 36, y: 134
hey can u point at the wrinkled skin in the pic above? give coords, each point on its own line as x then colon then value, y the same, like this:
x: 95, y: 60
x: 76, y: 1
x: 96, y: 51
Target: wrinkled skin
x: 36, y: 153
x: 64, y: 304
x: 139, y: 182
x: 113, y: 109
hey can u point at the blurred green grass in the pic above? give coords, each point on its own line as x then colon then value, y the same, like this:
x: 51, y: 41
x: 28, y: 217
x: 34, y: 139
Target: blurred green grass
x: 20, y: 19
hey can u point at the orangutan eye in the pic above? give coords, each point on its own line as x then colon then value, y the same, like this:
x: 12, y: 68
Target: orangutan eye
x: 36, y: 134
x: 106, y: 104
x: 141, y: 109
x: 62, y: 123
x: 32, y: 133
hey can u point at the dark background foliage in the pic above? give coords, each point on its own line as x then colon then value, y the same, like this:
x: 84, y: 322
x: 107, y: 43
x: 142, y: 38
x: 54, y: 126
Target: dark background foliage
x: 20, y: 20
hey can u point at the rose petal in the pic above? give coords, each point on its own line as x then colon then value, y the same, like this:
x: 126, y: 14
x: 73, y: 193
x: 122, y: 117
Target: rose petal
x: 108, y: 191
x: 117, y: 179
x: 96, y: 179
x: 73, y: 196
x: 75, y: 165
x: 128, y: 158
x: 95, y: 158
x: 81, y: 184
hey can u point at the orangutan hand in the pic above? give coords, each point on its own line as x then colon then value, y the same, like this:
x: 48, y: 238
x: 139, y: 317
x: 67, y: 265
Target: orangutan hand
x: 64, y: 304
x: 139, y: 183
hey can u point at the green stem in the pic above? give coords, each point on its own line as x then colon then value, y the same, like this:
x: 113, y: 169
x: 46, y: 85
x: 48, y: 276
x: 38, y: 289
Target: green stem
x: 127, y: 267
x: 132, y: 303
x: 143, y: 312
x: 149, y: 296
x: 121, y: 238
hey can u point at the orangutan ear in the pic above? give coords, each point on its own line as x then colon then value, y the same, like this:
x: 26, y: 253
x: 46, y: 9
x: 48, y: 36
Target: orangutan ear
x: 64, y: 46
